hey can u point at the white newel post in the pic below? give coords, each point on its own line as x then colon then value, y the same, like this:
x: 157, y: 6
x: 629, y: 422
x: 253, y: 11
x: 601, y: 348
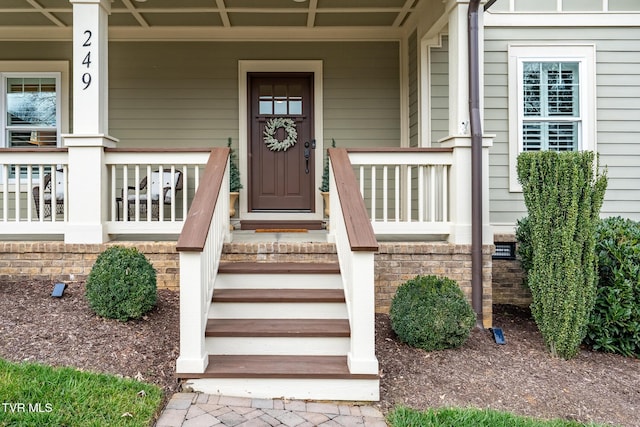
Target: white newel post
x: 460, y: 189
x: 362, y: 355
x: 193, y: 303
x: 87, y: 171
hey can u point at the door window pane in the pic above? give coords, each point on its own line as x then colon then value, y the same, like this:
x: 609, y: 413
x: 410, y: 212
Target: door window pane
x: 280, y: 99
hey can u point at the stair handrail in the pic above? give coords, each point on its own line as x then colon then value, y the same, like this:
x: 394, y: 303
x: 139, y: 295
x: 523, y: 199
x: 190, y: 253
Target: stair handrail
x: 356, y: 243
x: 200, y: 244
x: 196, y: 227
x: 357, y: 223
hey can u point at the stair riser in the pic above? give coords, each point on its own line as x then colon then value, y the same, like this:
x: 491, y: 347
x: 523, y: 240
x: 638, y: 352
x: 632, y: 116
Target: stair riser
x: 269, y: 388
x: 278, y: 281
x: 232, y: 310
x: 305, y: 346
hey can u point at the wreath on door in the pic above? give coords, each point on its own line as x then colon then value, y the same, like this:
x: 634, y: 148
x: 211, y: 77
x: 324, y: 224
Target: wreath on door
x: 270, y: 129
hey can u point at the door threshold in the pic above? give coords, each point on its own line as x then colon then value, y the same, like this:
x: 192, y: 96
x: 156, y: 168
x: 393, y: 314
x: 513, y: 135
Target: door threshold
x: 281, y: 226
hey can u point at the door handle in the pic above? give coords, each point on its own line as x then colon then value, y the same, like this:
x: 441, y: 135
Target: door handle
x: 307, y: 155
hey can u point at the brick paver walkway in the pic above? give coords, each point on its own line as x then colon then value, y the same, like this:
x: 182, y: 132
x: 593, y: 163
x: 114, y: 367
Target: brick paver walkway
x: 204, y: 410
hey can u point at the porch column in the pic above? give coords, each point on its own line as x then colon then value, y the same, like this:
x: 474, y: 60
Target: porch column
x: 87, y: 171
x: 459, y: 127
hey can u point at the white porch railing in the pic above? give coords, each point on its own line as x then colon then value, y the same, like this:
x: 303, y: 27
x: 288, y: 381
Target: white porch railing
x: 355, y: 244
x: 406, y: 190
x: 150, y: 190
x: 26, y: 207
x: 200, y: 248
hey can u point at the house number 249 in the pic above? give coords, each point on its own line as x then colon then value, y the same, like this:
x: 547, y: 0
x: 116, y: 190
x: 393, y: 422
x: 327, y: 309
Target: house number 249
x: 86, y: 77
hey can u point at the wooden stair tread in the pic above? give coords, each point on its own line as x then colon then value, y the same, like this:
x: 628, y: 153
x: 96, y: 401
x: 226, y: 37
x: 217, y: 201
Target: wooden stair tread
x: 278, y: 268
x: 279, y: 295
x: 278, y: 328
x: 307, y: 367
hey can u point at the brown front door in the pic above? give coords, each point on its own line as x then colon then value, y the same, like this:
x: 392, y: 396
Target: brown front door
x: 281, y: 146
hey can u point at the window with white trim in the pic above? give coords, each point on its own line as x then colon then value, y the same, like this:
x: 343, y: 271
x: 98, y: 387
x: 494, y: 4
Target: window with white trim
x: 551, y: 100
x: 31, y: 104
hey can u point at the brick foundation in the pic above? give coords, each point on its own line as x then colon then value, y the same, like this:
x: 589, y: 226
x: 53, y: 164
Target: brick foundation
x: 61, y: 262
x: 507, y: 278
x: 394, y: 264
x: 400, y: 261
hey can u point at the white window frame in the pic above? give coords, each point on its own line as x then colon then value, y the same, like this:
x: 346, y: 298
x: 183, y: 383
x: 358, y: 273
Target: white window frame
x: 585, y: 56
x: 57, y: 69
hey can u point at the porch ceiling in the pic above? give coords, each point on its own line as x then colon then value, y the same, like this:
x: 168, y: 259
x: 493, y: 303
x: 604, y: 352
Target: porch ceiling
x: 30, y: 19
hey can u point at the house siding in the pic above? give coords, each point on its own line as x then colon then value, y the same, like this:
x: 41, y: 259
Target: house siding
x: 439, y: 79
x: 618, y: 113
x: 185, y: 94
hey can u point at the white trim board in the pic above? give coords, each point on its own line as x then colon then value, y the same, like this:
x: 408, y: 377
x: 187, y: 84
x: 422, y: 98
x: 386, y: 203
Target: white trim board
x: 585, y: 55
x: 561, y: 19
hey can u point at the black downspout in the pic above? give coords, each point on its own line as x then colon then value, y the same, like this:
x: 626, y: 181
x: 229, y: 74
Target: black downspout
x: 476, y: 162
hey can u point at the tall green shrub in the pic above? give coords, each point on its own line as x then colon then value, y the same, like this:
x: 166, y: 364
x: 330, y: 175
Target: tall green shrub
x: 615, y: 322
x: 563, y: 192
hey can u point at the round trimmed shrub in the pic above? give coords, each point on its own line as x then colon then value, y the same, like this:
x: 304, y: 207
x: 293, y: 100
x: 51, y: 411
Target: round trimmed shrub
x: 122, y: 284
x: 431, y: 313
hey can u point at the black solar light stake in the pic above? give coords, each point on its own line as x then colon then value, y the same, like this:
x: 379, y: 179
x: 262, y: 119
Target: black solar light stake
x: 58, y: 290
x: 498, y: 335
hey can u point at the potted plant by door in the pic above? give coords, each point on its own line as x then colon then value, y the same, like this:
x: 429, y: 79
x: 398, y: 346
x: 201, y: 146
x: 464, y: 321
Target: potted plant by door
x: 324, y: 188
x: 234, y: 180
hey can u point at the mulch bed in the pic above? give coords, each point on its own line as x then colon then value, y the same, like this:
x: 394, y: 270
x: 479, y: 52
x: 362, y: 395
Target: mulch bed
x: 519, y: 377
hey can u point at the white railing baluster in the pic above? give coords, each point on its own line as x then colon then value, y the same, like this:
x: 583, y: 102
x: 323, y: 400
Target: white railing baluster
x: 432, y: 196
x: 41, y: 193
x: 125, y: 201
x: 29, y: 185
x: 373, y: 193
x: 160, y: 193
x: 149, y: 191
x: 173, y: 194
x: 112, y: 200
x: 385, y: 193
x: 397, y: 193
x: 54, y: 192
x: 420, y: 193
x: 65, y: 193
x: 409, y: 186
x: 185, y: 189
x: 362, y: 180
x: 17, y: 193
x: 445, y: 193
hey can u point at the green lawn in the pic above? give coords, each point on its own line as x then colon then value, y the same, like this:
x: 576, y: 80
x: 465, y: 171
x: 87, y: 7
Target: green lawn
x: 38, y: 395
x: 455, y: 417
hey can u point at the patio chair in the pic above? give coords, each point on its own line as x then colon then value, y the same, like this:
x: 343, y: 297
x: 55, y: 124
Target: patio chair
x: 154, y: 190
x: 46, y: 197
